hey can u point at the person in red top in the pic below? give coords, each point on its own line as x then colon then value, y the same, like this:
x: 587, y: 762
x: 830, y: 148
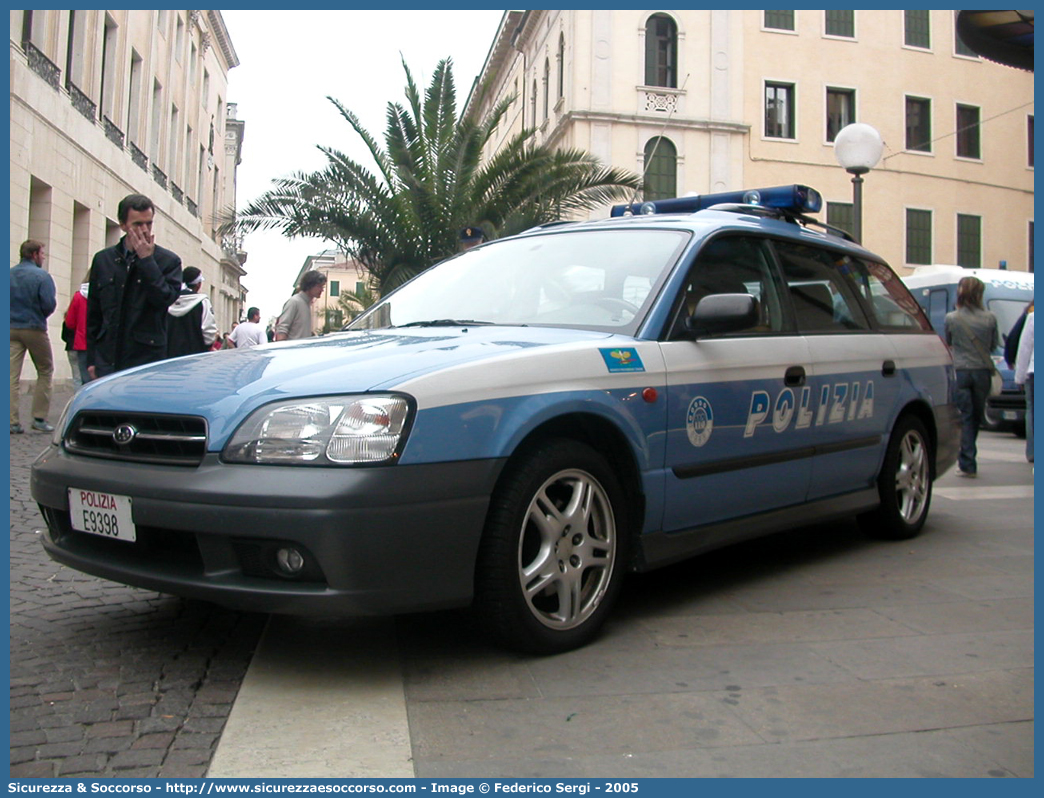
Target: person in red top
x: 76, y: 325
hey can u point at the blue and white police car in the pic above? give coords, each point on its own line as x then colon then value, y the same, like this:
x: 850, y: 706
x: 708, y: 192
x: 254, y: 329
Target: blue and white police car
x: 521, y: 425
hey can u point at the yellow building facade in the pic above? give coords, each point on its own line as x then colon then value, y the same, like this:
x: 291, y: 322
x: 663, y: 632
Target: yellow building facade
x: 706, y: 101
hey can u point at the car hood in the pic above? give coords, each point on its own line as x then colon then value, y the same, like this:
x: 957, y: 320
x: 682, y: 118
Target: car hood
x: 226, y: 385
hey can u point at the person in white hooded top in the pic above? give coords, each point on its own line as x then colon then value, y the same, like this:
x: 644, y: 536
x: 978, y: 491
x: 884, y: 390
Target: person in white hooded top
x: 191, y: 326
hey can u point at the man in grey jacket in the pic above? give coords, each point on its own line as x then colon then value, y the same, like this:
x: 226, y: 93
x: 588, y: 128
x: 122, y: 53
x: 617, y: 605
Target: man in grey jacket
x: 32, y: 301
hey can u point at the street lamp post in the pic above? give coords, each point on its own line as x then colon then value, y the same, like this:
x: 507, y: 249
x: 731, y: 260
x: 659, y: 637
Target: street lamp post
x: 858, y: 148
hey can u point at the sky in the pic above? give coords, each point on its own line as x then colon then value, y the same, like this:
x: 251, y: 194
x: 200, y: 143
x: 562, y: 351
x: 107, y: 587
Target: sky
x: 289, y: 62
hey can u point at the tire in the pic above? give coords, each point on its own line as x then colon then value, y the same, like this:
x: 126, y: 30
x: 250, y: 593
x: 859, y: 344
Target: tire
x: 554, y: 550
x: 904, y: 484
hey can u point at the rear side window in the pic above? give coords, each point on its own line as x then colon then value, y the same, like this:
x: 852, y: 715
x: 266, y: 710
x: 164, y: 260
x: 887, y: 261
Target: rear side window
x: 822, y: 298
x: 891, y: 303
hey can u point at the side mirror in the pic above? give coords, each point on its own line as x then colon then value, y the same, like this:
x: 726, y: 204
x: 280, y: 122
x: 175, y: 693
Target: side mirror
x: 722, y: 313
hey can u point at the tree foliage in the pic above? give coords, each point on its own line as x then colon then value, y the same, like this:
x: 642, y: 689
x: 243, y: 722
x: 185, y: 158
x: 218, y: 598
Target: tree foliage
x: 430, y: 181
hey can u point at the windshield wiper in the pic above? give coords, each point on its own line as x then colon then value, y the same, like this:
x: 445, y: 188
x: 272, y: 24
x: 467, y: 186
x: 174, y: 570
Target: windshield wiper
x: 445, y: 323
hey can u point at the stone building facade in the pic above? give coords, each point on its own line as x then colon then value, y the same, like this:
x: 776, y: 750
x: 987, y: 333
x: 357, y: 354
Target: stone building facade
x: 705, y: 101
x: 109, y: 103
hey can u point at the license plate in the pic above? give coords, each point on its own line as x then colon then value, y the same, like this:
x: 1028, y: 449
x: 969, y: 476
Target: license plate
x: 1010, y: 415
x: 104, y: 514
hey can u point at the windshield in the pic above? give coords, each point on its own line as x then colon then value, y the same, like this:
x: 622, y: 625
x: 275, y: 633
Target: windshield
x: 600, y: 279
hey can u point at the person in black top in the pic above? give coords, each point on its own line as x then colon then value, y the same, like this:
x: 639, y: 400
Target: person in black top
x: 132, y: 285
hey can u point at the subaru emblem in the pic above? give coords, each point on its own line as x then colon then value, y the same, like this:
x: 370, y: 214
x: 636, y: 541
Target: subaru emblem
x: 124, y: 434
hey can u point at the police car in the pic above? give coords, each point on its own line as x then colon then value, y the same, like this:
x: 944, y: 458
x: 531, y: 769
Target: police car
x: 521, y: 425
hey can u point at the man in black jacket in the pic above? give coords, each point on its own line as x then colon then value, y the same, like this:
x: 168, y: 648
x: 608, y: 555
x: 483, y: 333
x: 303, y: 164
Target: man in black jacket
x: 132, y: 285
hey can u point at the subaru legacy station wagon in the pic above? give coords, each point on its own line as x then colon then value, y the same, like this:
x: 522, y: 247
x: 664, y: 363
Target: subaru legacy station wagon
x: 521, y: 425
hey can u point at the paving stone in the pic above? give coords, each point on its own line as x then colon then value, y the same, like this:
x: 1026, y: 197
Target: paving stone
x: 87, y: 656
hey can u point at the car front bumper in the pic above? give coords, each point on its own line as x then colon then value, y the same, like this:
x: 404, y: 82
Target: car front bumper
x: 376, y: 540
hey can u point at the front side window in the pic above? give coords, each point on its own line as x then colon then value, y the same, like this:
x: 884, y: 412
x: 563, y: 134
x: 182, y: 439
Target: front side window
x: 732, y: 265
x: 840, y: 111
x: 779, y: 20
x: 969, y: 241
x: 968, y: 131
x: 918, y: 236
x: 840, y: 23
x: 661, y: 52
x: 822, y: 298
x: 918, y: 124
x: 917, y: 29
x: 590, y: 279
x: 779, y: 110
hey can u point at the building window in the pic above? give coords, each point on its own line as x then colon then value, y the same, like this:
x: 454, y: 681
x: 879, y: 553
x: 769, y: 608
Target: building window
x: 335, y: 288
x: 840, y: 23
x: 916, y: 29
x: 779, y: 110
x: 959, y: 47
x: 840, y: 111
x: 533, y: 102
x: 839, y: 215
x: 1029, y: 140
x: 179, y: 38
x: 968, y: 132
x: 547, y: 85
x: 918, y: 236
x: 661, y: 169
x: 661, y: 52
x: 969, y: 241
x: 918, y: 124
x: 108, y: 68
x: 561, y: 66
x: 779, y: 20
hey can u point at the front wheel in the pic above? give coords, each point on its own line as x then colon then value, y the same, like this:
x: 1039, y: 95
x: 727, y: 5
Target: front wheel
x: 554, y: 550
x: 905, y: 484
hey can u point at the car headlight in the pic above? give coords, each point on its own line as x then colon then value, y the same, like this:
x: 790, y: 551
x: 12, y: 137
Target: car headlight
x: 343, y: 430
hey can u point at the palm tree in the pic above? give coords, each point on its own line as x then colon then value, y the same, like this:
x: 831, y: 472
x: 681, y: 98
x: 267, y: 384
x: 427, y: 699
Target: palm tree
x: 430, y: 182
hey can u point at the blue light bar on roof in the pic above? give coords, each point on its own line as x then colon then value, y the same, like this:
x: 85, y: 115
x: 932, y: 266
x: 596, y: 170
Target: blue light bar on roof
x: 794, y: 198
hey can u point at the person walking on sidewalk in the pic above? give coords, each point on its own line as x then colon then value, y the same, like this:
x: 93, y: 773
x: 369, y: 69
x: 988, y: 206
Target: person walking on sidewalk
x: 132, y: 285
x: 1024, y: 376
x: 295, y: 321
x: 250, y: 332
x: 191, y: 328
x: 971, y: 331
x: 32, y: 301
x: 76, y: 326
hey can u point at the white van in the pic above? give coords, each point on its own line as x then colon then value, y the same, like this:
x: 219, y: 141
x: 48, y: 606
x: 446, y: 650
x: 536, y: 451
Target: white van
x: 1007, y: 294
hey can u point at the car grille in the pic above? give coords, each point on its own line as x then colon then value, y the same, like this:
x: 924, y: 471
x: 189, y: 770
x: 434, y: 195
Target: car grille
x: 139, y: 437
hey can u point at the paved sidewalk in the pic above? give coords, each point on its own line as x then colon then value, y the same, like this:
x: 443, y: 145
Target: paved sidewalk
x: 814, y: 653
x: 107, y: 680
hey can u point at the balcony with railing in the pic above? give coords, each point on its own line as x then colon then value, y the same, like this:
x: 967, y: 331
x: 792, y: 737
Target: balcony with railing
x: 42, y: 65
x: 113, y: 133
x: 140, y: 158
x: 81, y: 102
x: 88, y: 108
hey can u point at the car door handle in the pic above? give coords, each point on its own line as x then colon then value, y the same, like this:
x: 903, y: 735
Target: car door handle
x: 888, y: 368
x: 794, y: 377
